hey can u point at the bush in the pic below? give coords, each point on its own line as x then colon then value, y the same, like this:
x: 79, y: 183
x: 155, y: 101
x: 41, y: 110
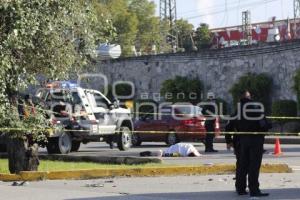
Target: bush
x: 259, y: 85
x: 182, y: 89
x: 284, y: 108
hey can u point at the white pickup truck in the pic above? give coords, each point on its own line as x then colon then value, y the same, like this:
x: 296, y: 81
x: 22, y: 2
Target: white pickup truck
x: 83, y: 115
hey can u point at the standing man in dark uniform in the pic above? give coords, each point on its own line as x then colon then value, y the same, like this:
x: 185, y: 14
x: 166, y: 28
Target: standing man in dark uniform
x: 250, y: 150
x: 209, y: 111
x: 232, y: 140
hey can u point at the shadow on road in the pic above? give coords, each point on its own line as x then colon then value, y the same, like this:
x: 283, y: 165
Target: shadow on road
x: 275, y: 194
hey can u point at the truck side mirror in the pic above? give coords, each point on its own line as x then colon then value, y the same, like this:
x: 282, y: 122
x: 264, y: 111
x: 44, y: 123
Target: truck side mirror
x: 116, y: 103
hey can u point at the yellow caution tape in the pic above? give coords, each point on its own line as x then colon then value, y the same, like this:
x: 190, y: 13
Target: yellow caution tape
x: 160, y: 132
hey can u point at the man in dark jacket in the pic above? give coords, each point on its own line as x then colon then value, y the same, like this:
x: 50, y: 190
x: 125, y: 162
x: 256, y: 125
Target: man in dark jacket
x: 232, y: 140
x: 209, y: 111
x: 250, y: 149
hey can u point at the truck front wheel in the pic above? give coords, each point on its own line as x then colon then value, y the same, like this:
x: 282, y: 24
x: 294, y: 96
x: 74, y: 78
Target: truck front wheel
x: 124, y: 138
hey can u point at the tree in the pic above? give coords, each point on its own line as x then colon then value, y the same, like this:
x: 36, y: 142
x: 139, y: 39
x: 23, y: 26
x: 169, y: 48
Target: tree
x: 259, y: 85
x: 185, y: 34
x: 48, y: 37
x: 126, y: 24
x: 148, y: 24
x: 182, y: 89
x: 103, y: 27
x: 136, y: 24
x: 203, y: 38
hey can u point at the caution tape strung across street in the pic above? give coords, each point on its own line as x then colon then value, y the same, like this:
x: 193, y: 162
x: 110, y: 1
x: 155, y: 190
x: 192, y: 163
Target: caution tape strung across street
x: 7, y: 130
x: 51, y: 130
x: 168, y: 114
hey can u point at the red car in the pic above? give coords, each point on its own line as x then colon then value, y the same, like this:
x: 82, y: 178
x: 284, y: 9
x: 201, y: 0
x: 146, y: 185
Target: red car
x: 172, y: 124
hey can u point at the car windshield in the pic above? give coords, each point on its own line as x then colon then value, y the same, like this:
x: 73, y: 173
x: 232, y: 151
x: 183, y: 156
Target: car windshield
x: 188, y: 110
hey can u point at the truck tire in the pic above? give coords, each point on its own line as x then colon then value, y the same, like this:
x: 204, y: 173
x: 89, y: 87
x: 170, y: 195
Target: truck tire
x: 124, y: 138
x: 75, y: 146
x: 60, y: 145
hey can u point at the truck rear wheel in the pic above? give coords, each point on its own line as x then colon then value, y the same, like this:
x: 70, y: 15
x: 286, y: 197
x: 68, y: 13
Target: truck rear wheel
x: 60, y: 145
x: 124, y: 138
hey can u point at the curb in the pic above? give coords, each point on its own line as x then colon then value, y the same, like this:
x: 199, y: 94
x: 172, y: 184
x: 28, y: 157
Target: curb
x: 137, y: 172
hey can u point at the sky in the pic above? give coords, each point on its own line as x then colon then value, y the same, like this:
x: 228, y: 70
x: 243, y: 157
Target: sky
x: 223, y: 13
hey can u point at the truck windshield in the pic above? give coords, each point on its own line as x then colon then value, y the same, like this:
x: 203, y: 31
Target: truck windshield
x: 64, y: 96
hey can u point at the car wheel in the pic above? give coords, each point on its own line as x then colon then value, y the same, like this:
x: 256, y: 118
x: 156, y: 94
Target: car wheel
x: 75, y: 145
x: 136, y: 140
x: 124, y: 138
x: 60, y: 145
x: 172, y: 139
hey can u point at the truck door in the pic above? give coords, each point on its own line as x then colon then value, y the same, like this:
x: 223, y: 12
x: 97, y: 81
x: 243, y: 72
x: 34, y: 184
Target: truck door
x: 101, y: 109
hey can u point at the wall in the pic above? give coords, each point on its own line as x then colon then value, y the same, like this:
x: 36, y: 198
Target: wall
x: 218, y: 69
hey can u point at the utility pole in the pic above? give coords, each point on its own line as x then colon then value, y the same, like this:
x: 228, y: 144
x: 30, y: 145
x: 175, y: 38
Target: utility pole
x: 168, y: 15
x: 246, y: 26
x: 296, y: 15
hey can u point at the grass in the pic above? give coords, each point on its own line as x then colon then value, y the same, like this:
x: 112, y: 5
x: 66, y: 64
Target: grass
x: 46, y: 165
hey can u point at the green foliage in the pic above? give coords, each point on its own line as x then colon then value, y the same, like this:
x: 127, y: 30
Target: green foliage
x: 126, y: 25
x: 297, y: 85
x: 284, y: 108
x: 182, y: 89
x: 259, y: 85
x: 136, y: 24
x: 185, y: 32
x: 48, y: 165
x: 203, y: 38
x: 148, y: 32
x: 34, y: 126
x: 48, y: 37
x: 102, y: 27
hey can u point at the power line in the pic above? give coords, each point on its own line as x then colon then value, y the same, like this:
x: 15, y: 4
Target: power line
x: 255, y: 4
x: 231, y: 4
x: 210, y: 7
x: 225, y: 17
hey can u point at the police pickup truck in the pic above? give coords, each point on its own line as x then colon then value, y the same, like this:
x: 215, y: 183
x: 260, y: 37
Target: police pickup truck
x: 83, y: 115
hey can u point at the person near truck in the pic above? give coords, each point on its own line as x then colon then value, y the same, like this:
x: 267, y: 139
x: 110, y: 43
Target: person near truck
x: 250, y: 147
x: 209, y: 111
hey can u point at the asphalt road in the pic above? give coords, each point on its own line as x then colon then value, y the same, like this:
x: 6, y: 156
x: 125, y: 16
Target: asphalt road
x: 290, y: 154
x: 209, y: 187
x: 212, y: 187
